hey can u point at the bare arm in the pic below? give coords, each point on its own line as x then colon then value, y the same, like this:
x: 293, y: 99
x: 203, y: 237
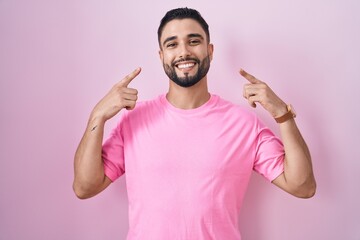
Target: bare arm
x: 89, y: 176
x: 298, y: 177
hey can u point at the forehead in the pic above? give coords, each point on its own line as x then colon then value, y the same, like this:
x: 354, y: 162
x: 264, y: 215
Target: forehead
x: 181, y: 28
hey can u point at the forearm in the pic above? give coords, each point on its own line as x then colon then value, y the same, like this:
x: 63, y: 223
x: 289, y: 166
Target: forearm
x: 88, y: 165
x: 298, y: 171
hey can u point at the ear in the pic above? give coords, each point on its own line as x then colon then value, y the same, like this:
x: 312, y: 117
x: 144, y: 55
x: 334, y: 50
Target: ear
x: 210, y: 50
x: 161, y: 55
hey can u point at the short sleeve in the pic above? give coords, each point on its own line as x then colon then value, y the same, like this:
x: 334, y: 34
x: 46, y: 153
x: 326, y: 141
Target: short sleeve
x: 270, y: 154
x: 113, y: 153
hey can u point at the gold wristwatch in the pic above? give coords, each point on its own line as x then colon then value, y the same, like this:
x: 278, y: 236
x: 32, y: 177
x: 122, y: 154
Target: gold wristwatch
x: 289, y: 115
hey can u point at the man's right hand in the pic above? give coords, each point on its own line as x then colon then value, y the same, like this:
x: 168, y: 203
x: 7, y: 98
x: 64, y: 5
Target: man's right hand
x: 119, y: 97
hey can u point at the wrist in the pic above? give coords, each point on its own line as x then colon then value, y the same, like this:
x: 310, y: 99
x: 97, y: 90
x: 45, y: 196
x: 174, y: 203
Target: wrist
x: 289, y: 114
x: 280, y: 111
x: 96, y: 118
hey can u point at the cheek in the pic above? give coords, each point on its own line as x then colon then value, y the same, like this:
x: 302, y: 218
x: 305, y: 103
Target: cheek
x: 167, y: 59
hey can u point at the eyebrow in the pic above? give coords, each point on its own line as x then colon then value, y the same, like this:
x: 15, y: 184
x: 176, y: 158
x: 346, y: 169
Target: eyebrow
x: 195, y: 35
x: 189, y: 36
x: 169, y: 39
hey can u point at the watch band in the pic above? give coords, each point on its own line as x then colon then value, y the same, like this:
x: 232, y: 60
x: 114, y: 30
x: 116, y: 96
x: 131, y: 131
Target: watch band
x: 289, y: 115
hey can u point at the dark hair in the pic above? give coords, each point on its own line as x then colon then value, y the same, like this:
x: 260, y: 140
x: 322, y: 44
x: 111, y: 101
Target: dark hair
x: 182, y: 13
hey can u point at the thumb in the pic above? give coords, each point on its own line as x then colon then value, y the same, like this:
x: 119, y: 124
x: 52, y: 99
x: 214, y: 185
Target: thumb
x: 249, y: 77
x: 126, y: 80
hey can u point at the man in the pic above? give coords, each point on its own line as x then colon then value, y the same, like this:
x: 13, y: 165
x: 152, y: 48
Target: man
x: 188, y: 154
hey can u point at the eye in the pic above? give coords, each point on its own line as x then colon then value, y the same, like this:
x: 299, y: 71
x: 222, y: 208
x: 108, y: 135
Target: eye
x: 171, y: 45
x: 194, y: 42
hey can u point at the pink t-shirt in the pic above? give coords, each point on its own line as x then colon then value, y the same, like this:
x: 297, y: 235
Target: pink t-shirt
x: 187, y: 170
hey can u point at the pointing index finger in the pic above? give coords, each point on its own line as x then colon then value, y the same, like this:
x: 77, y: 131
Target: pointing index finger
x: 126, y: 80
x: 249, y: 77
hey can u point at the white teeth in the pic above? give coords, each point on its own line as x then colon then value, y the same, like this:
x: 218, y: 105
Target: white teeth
x: 186, y: 65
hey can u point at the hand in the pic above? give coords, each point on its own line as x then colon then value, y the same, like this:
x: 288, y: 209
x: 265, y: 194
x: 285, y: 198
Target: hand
x: 119, y: 97
x: 258, y: 91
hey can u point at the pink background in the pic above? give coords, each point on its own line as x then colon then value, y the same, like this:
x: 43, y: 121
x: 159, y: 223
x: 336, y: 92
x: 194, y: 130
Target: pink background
x: 58, y: 58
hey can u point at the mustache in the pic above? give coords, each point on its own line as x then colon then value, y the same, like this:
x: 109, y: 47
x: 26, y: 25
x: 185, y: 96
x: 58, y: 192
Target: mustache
x: 184, y: 60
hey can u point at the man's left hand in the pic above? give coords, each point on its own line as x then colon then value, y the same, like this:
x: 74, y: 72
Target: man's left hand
x: 257, y: 91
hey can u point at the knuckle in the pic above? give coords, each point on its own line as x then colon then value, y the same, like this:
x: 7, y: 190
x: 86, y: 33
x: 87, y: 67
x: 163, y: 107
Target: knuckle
x: 118, y: 87
x: 127, y: 77
x: 131, y: 106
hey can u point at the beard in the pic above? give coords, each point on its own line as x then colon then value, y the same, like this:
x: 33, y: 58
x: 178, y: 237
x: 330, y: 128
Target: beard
x: 188, y: 81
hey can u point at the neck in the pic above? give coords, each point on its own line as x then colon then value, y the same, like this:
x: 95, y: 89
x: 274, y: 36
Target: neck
x: 188, y: 98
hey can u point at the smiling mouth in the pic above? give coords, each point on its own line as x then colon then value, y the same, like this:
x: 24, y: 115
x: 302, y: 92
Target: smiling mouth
x: 185, y: 65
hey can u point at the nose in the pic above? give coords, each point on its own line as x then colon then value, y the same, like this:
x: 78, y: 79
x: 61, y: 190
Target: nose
x: 184, y: 51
